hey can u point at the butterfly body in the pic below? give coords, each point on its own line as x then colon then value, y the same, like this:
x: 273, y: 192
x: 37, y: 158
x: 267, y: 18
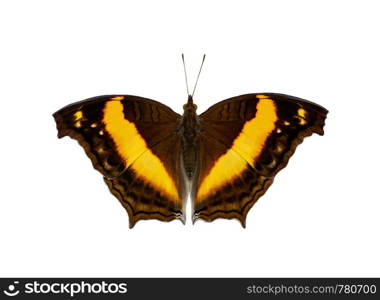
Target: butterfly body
x: 190, y: 129
x: 226, y: 158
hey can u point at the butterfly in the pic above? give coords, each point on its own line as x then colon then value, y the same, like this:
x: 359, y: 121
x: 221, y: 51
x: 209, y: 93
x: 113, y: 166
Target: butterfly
x: 226, y: 158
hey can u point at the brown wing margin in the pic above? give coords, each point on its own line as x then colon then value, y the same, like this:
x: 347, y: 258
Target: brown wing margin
x: 127, y: 139
x: 293, y: 120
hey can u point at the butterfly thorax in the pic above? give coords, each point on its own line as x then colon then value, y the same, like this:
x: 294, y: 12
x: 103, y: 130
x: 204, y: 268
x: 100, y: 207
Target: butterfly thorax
x: 190, y: 129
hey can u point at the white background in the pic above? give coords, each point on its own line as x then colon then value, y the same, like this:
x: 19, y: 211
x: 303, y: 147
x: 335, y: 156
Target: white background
x: 320, y: 217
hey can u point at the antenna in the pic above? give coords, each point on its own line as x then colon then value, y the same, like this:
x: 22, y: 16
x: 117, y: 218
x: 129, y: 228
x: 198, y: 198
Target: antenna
x: 184, y: 68
x: 199, y: 73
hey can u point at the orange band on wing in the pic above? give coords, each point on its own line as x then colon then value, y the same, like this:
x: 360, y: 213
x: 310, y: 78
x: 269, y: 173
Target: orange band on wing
x: 133, y: 149
x: 255, y: 132
x: 245, y: 149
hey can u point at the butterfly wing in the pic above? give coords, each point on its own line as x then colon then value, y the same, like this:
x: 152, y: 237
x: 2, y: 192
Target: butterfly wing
x: 134, y: 143
x: 244, y: 142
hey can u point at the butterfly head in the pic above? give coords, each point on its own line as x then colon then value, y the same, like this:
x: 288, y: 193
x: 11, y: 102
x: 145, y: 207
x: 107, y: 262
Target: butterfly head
x: 190, y: 104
